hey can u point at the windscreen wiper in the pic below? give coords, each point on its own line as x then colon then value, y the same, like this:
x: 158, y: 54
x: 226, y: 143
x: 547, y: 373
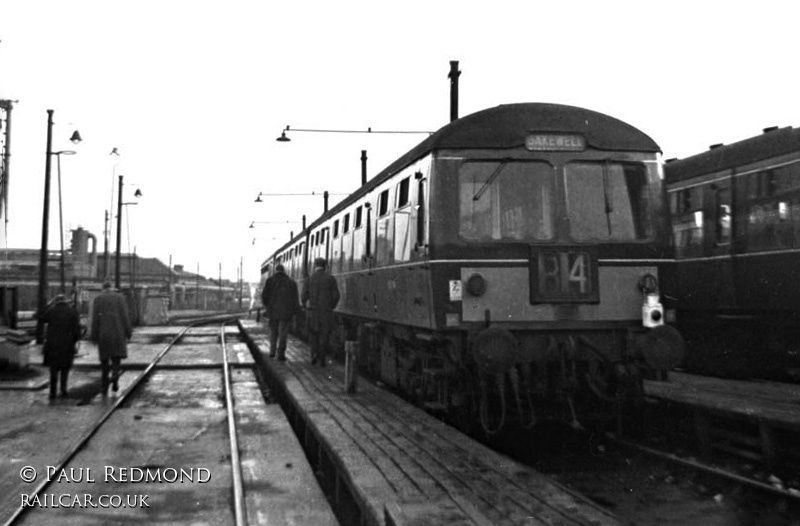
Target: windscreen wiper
x: 489, y: 181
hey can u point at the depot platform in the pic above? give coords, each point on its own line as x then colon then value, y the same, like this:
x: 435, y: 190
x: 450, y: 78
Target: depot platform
x: 755, y: 419
x: 387, y: 462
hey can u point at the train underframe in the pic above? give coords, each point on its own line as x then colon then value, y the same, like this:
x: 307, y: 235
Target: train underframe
x: 499, y: 379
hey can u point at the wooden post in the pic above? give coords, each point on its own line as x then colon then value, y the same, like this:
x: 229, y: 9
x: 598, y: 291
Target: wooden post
x: 351, y: 366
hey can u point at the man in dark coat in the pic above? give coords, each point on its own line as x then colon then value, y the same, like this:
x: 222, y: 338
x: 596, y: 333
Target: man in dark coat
x: 282, y: 302
x: 322, y: 294
x: 111, y: 329
x: 63, y: 332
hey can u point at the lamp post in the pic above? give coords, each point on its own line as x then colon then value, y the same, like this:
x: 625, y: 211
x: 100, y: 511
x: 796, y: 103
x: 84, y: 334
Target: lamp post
x: 42, y: 293
x: 58, y: 155
x: 117, y: 259
x: 107, y: 229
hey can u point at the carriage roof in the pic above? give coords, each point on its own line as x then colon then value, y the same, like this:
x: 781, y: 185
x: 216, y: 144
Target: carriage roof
x: 772, y: 143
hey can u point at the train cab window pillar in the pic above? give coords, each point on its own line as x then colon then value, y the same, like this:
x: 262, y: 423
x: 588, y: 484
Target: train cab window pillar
x: 422, y: 234
x: 368, y: 235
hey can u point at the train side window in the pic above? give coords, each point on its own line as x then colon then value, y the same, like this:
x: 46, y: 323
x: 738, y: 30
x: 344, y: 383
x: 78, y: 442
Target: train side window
x: 723, y: 216
x: 383, y: 203
x: 685, y: 203
x: 402, y: 192
x: 359, y: 216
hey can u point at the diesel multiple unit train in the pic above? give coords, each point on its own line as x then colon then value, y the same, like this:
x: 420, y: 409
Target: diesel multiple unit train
x: 736, y: 223
x: 508, y: 268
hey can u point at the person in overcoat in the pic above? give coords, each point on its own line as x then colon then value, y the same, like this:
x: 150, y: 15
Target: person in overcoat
x: 321, y: 294
x: 111, y: 329
x: 281, y: 301
x: 62, y: 334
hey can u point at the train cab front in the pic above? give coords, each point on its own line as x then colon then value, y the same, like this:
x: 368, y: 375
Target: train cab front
x: 568, y: 328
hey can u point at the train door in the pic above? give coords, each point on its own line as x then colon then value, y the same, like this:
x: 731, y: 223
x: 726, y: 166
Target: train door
x: 719, y: 245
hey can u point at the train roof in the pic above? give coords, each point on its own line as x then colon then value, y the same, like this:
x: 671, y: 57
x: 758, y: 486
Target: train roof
x: 505, y: 127
x: 772, y: 143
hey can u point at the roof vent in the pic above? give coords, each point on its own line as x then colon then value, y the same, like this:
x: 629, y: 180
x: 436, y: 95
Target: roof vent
x: 771, y: 128
x: 715, y: 146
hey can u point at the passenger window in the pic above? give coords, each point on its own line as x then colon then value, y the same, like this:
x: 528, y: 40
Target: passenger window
x: 346, y: 226
x: 359, y: 212
x: 383, y: 203
x: 723, y: 219
x: 402, y: 192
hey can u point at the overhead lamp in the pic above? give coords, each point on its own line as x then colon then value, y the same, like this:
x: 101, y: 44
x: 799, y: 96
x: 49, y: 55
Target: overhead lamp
x: 283, y: 137
x: 76, y: 137
x: 258, y: 197
x: 137, y: 193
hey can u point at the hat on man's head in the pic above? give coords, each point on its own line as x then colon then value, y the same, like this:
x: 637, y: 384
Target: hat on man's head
x: 107, y: 285
x: 60, y: 298
x: 320, y: 262
x: 279, y: 268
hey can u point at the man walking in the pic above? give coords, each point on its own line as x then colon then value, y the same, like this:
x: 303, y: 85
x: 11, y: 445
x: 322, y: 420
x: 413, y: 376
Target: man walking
x: 63, y: 333
x: 282, y: 302
x: 111, y: 329
x: 322, y: 294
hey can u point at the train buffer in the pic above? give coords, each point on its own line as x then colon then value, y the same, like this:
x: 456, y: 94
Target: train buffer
x: 383, y: 461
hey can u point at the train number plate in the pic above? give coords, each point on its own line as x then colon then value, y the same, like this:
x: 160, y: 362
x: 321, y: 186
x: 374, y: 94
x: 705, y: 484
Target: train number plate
x: 563, y: 275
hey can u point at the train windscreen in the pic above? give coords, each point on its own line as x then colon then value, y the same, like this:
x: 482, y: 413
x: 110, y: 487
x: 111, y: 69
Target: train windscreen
x: 608, y: 201
x: 506, y: 201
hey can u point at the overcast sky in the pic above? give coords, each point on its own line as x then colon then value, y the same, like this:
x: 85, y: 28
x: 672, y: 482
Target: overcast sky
x: 193, y: 94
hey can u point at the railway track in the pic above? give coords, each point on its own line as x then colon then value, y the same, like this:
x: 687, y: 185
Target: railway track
x: 173, y: 434
x: 774, y: 490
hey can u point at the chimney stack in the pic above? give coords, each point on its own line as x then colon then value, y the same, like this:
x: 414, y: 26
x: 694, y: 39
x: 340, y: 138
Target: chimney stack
x: 363, y: 167
x: 453, y: 76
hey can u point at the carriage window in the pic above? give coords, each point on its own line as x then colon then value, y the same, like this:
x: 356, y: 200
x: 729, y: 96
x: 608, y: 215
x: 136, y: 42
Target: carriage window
x: 383, y: 203
x: 346, y: 226
x: 402, y: 192
x: 608, y: 201
x: 336, y: 229
x: 506, y: 200
x: 723, y: 219
x: 359, y: 212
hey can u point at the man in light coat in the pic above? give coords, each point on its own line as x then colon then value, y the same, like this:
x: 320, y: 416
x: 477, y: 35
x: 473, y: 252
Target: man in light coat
x: 322, y: 294
x: 111, y: 329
